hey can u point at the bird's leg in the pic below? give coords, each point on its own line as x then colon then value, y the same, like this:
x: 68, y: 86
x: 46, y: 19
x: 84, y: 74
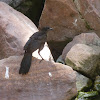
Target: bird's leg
x: 40, y: 54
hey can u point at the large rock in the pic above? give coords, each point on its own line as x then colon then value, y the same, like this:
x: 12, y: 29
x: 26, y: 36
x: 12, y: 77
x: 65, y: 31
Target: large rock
x: 15, y: 30
x: 90, y: 12
x: 69, y: 18
x: 63, y: 17
x: 45, y: 81
x: 84, y: 38
x: 85, y: 59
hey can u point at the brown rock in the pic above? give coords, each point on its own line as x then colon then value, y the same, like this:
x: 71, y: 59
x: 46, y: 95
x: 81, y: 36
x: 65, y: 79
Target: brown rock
x: 90, y: 12
x: 84, y: 38
x: 15, y: 30
x: 45, y: 81
x: 69, y: 18
x: 63, y: 16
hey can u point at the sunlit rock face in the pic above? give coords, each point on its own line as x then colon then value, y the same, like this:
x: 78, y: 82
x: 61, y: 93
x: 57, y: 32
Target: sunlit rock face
x: 15, y: 30
x: 45, y: 81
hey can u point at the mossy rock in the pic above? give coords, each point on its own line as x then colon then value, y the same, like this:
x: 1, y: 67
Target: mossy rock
x: 97, y: 84
x: 87, y: 95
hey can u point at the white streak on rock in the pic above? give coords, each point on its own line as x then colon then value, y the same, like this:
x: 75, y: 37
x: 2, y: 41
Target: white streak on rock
x: 7, y: 73
x: 50, y: 74
x: 75, y: 22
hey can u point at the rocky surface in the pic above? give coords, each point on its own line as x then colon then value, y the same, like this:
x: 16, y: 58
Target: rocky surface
x: 92, y: 95
x: 60, y: 60
x: 45, y: 81
x: 85, y: 59
x: 83, y: 83
x: 15, y: 30
x: 63, y: 17
x: 97, y: 84
x: 69, y: 18
x: 90, y: 12
x: 83, y: 38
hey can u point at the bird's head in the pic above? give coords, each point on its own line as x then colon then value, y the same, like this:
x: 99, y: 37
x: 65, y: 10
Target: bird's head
x: 46, y: 29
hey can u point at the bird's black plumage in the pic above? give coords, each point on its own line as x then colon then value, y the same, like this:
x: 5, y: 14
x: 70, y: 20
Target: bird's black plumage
x: 36, y: 41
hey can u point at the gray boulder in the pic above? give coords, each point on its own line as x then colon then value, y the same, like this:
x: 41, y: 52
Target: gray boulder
x: 85, y: 59
x: 83, y: 38
x: 83, y: 83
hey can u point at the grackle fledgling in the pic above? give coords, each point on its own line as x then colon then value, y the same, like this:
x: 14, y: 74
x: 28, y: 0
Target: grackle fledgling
x: 36, y: 41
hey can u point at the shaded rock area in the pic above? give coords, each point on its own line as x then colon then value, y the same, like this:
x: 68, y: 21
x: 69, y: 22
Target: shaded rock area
x: 87, y: 95
x: 97, y: 84
x: 13, y: 3
x: 15, y: 30
x: 45, y: 81
x: 60, y: 60
x: 90, y: 12
x: 83, y: 83
x: 32, y: 9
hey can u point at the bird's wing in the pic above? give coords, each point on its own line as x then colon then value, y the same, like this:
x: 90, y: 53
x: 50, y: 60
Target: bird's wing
x: 37, y: 36
x: 33, y: 37
x: 27, y: 44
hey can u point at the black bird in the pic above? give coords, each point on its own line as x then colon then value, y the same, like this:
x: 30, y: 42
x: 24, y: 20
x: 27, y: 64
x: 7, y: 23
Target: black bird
x: 36, y: 41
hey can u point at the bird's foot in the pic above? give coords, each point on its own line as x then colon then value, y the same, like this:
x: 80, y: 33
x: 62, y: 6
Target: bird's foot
x: 41, y: 60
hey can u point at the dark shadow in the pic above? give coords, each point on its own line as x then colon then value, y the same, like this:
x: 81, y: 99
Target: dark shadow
x: 35, y: 11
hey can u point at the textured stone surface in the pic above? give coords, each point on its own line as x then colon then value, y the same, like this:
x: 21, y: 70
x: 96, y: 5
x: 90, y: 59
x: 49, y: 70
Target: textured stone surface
x: 15, y: 30
x: 97, y: 84
x: 82, y: 82
x: 90, y: 12
x: 63, y: 16
x: 45, y: 81
x: 60, y: 60
x: 85, y: 59
x: 69, y: 18
x: 84, y: 38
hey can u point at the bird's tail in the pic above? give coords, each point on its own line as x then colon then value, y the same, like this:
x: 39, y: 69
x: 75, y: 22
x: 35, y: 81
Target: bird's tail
x: 26, y: 63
